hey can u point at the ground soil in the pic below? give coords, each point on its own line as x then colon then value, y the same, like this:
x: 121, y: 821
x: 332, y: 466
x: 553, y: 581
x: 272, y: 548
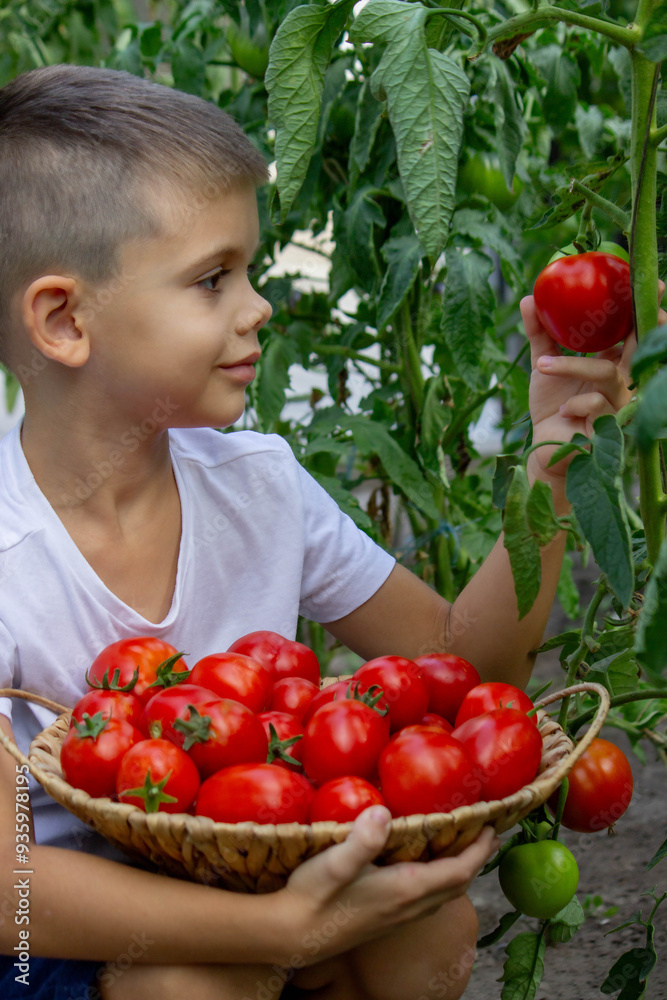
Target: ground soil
x: 612, y: 867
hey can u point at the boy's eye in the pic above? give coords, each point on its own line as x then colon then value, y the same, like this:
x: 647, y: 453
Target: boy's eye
x: 210, y: 282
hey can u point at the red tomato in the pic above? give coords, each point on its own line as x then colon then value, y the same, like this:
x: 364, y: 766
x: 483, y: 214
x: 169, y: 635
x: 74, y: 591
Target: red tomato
x: 448, y: 679
x: 343, y: 737
x: 426, y: 771
x: 293, y: 695
x: 112, y: 704
x: 285, y: 657
x: 342, y: 799
x: 347, y: 689
x: 431, y: 719
x: 600, y: 787
x: 235, y: 676
x: 493, y: 694
x: 285, y: 741
x: 506, y: 749
x: 92, y: 750
x: 157, y: 776
x: 403, y: 684
x: 141, y: 665
x: 584, y: 301
x: 260, y: 793
x: 170, y: 704
x: 221, y: 733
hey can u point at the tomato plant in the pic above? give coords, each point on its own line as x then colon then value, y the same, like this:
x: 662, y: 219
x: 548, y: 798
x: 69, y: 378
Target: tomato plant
x: 157, y: 776
x: 539, y: 879
x: 261, y: 793
x: 600, y: 787
x: 584, y: 301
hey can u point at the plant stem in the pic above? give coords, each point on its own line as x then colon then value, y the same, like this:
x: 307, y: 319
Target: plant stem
x: 411, y: 361
x: 646, y: 694
x: 644, y: 272
x: 532, y: 20
x: 575, y: 659
x: 618, y: 216
x: 347, y: 352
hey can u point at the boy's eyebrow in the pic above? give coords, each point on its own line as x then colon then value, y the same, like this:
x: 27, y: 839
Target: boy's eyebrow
x: 217, y: 255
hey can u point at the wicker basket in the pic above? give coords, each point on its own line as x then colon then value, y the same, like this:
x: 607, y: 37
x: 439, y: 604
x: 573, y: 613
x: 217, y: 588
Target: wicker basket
x: 247, y: 857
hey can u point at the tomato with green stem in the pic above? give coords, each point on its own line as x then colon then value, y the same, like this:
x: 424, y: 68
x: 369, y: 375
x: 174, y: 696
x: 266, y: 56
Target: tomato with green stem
x: 92, y: 750
x: 157, y: 776
x: 540, y: 878
x: 142, y: 664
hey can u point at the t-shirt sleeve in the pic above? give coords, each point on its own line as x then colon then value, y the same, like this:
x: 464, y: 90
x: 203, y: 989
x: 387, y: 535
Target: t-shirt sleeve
x: 343, y: 567
x: 7, y: 668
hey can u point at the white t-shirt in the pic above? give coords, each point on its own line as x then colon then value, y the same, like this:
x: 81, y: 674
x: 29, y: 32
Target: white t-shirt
x: 261, y: 543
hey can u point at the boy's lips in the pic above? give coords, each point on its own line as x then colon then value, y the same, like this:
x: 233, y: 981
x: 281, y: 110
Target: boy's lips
x: 244, y: 369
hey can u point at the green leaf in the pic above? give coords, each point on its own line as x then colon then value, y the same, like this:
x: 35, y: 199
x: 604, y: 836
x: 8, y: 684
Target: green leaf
x: 403, y: 256
x: 651, y: 638
x: 356, y: 230
x: 347, y: 502
x: 540, y: 513
x: 374, y: 439
x: 630, y: 972
x: 367, y: 122
x: 522, y: 546
x: 567, y: 922
x: 502, y: 478
x: 436, y: 416
x: 524, y: 967
x: 651, y: 416
x: 467, y: 310
x: 479, y: 227
x: 298, y: 59
x: 590, y: 126
x: 509, y: 123
x: 594, y: 488
x: 273, y: 379
x: 426, y: 94
x: 506, y: 921
x: 188, y: 67
x: 659, y: 855
x: 651, y: 351
x: 563, y: 77
x: 567, y: 590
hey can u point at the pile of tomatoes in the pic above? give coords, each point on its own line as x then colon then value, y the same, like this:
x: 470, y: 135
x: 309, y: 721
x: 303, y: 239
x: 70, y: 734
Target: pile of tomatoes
x: 249, y: 734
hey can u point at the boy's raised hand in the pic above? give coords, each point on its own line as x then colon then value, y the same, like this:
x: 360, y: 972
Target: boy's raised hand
x: 365, y: 901
x: 568, y: 393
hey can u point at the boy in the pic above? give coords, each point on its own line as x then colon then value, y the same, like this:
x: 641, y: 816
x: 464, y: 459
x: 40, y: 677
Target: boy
x: 129, y: 222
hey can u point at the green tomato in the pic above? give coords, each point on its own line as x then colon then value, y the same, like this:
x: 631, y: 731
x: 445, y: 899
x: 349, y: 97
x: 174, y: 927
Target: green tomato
x: 251, y: 53
x: 539, y: 879
x: 480, y: 174
x: 605, y: 247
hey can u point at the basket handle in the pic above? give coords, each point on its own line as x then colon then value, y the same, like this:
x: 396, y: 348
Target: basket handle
x: 597, y: 722
x: 6, y: 741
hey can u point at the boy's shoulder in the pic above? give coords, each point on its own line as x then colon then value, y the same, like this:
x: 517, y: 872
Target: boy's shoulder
x: 15, y: 492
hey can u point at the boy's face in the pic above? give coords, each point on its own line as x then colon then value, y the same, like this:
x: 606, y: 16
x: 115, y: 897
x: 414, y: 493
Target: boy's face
x: 185, y: 320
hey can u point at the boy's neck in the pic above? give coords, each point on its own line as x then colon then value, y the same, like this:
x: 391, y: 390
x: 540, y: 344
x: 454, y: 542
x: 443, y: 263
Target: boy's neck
x: 98, y: 470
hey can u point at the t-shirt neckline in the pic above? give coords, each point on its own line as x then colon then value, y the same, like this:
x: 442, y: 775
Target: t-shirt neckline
x: 83, y: 568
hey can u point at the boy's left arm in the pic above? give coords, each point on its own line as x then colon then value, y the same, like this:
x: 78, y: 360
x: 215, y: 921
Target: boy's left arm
x: 407, y: 618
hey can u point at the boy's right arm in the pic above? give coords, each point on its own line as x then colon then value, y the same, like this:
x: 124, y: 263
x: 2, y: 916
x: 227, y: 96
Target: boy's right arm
x: 87, y: 907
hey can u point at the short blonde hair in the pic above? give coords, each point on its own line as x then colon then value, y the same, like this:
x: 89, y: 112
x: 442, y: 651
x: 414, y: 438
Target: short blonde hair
x: 78, y: 147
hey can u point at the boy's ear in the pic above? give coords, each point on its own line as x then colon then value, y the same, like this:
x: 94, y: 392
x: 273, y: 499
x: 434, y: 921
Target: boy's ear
x: 51, y: 314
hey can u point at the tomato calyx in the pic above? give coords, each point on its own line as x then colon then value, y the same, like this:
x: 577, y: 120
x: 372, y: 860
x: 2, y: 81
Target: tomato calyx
x: 166, y: 676
x: 91, y: 726
x: 278, y: 749
x: 368, y: 697
x: 152, y: 792
x: 197, y: 729
x: 112, y: 683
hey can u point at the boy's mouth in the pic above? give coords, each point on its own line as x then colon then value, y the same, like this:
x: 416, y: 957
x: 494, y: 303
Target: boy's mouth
x: 243, y: 370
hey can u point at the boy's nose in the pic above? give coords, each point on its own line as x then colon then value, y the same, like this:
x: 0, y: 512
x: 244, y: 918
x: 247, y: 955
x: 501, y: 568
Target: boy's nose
x: 257, y: 314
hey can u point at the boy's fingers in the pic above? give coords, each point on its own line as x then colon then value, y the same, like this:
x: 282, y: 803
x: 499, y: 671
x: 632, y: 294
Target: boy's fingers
x: 540, y: 341
x: 341, y: 864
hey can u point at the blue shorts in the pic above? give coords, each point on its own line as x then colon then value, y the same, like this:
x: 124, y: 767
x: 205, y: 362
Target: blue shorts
x: 49, y: 979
